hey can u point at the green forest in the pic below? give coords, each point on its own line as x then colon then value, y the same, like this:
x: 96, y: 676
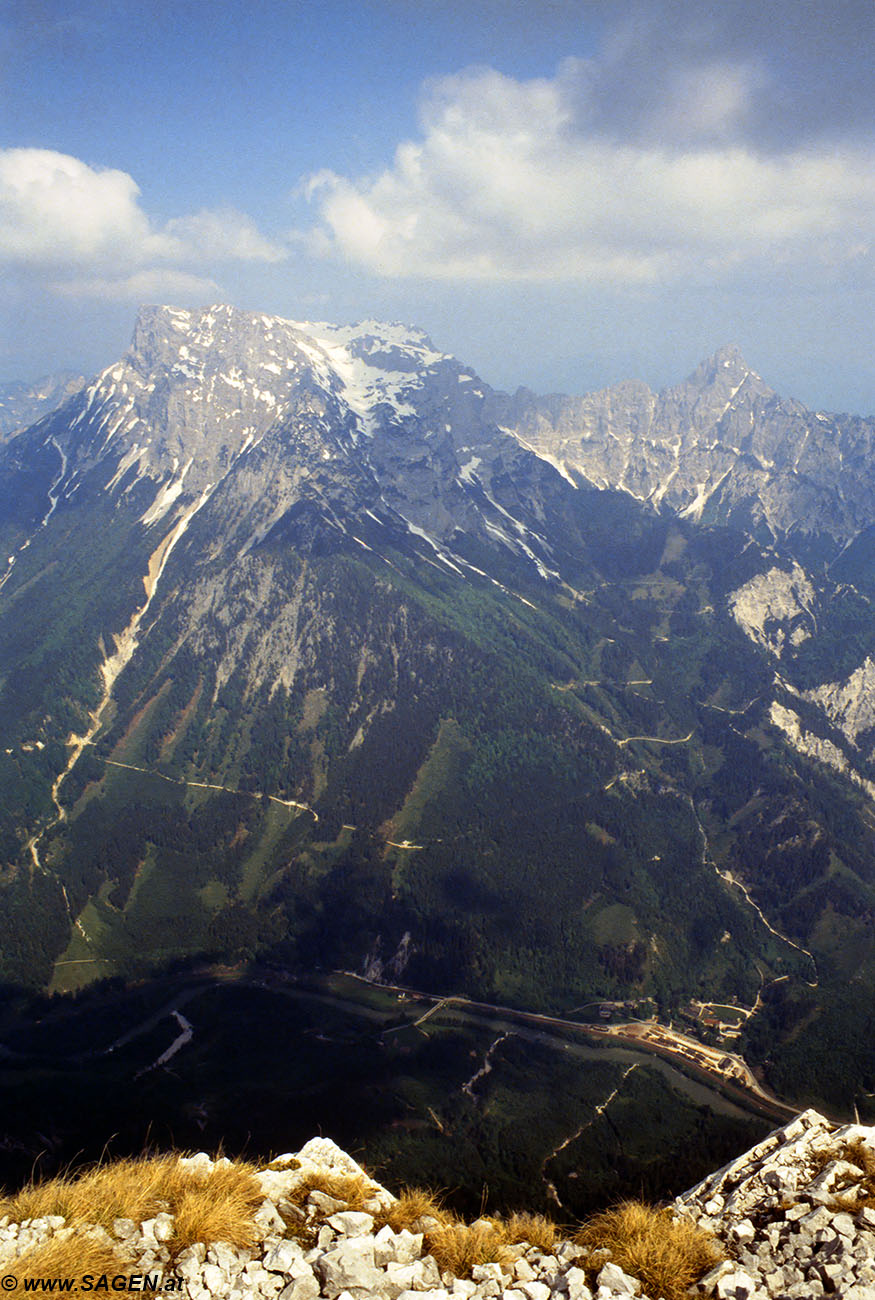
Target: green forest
x: 531, y: 794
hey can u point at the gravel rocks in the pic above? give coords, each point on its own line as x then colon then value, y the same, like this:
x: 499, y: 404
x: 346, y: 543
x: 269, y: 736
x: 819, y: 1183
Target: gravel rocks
x: 791, y: 1213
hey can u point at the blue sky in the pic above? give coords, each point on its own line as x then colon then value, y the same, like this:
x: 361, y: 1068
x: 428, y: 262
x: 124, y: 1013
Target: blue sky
x: 563, y: 193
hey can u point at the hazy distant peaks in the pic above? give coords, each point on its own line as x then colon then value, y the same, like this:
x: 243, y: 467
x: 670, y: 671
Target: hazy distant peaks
x: 22, y: 404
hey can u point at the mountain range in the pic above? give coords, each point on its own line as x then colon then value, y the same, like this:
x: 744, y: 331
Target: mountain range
x: 317, y: 650
x: 23, y: 404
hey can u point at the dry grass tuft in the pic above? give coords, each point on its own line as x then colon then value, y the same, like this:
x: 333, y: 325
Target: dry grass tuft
x: 412, y: 1204
x: 457, y: 1247
x: 861, y: 1155
x: 536, y: 1229
x: 215, y: 1206
x: 350, y: 1188
x: 219, y: 1207
x: 72, y: 1256
x: 668, y: 1256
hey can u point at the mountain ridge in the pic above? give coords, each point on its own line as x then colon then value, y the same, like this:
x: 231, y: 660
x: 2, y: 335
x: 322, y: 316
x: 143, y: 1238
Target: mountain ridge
x: 769, y: 461
x: 577, y: 436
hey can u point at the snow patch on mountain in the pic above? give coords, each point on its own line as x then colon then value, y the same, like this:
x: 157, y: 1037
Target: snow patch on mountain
x: 166, y: 497
x: 704, y: 492
x: 361, y: 385
x: 427, y: 537
x: 767, y: 606
x: 131, y: 457
x: 542, y: 454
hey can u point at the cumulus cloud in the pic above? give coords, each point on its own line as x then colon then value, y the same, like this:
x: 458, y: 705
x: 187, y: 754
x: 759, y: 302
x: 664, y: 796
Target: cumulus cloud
x: 85, y: 229
x: 54, y: 209
x: 523, y: 180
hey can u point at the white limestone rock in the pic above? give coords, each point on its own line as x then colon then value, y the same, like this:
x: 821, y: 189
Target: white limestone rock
x: 613, y: 1277
x: 349, y: 1266
x: 301, y: 1288
x: 286, y: 1257
x: 352, y: 1223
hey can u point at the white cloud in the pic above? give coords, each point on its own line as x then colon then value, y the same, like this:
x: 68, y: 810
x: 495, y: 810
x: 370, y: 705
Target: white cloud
x: 84, y: 229
x: 159, y: 284
x: 221, y: 235
x: 510, y: 180
x: 56, y: 210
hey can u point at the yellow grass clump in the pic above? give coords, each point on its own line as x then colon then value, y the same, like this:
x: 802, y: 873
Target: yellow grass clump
x: 457, y: 1247
x: 207, y: 1206
x: 68, y: 1257
x: 413, y: 1204
x: 219, y: 1208
x: 535, y: 1229
x: 667, y: 1255
x: 350, y: 1188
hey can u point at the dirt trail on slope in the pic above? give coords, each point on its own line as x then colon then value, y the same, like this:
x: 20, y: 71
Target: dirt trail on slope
x: 600, y: 1109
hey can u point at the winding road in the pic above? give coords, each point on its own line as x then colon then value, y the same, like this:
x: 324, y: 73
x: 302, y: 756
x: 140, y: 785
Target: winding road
x: 723, y: 1067
x: 212, y: 785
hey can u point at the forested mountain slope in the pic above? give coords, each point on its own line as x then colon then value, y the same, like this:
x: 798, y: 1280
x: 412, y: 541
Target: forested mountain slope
x: 314, y: 647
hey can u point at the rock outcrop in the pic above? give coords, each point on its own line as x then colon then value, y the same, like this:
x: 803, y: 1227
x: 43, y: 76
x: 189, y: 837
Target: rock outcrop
x: 796, y: 1214
x: 794, y: 1218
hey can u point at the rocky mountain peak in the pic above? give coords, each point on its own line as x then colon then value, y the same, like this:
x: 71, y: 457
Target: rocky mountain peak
x: 198, y: 389
x: 721, y: 445
x: 717, y: 384
x: 727, y: 358
x: 164, y: 334
x: 212, y: 339
x: 194, y: 390
x: 292, y: 410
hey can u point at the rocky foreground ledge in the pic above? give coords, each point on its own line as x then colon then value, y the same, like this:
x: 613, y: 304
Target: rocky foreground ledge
x: 795, y: 1214
x: 793, y: 1218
